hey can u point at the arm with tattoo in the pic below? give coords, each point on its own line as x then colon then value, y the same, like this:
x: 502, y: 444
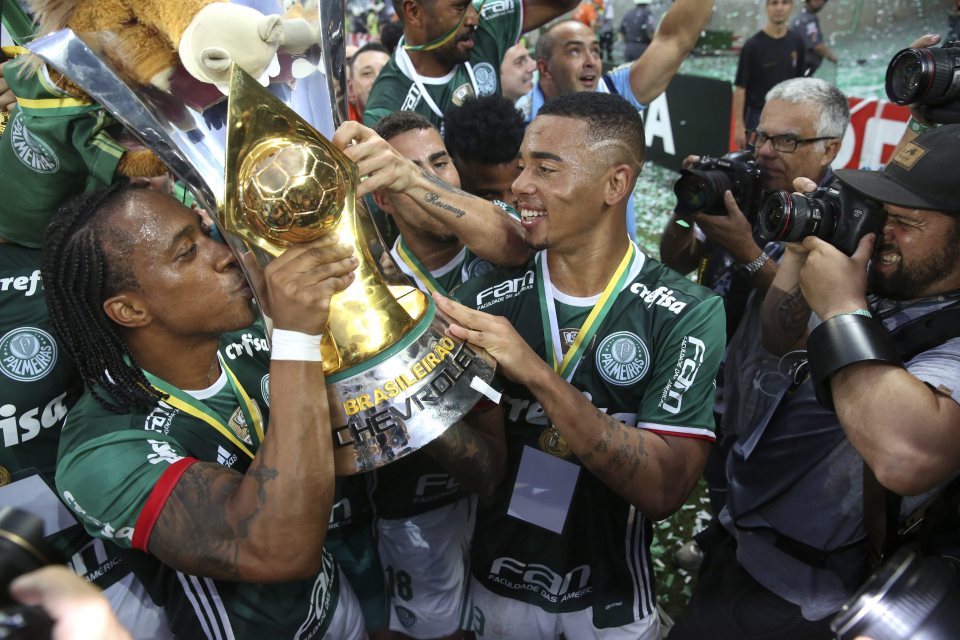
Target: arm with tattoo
x: 268, y: 524
x: 474, y: 451
x: 786, y: 313
x: 486, y: 229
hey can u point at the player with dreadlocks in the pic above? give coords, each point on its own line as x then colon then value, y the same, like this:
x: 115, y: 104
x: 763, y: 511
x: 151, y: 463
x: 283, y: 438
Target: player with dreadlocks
x: 174, y: 449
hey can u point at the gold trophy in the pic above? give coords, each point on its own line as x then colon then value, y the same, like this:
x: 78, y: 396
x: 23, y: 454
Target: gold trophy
x: 395, y: 380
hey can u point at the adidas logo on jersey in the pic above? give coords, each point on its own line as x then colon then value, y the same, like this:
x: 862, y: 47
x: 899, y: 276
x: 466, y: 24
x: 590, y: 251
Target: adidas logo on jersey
x: 225, y: 458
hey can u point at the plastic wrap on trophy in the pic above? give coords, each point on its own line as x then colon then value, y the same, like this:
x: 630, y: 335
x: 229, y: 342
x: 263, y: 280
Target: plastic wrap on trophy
x: 395, y: 380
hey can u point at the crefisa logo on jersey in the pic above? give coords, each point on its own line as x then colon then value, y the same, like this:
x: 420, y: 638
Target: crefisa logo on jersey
x: 622, y: 358
x: 31, y: 150
x: 27, y: 354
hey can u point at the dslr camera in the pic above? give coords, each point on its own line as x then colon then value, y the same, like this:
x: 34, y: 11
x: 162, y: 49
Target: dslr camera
x: 836, y: 214
x: 700, y: 188
x: 22, y: 550
x: 929, y: 78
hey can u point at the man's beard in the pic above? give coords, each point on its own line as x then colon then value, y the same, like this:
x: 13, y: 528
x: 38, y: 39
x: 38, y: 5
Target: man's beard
x: 908, y: 283
x: 450, y: 53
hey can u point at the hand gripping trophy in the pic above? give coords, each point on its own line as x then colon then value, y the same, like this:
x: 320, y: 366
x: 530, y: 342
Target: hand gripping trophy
x: 395, y: 379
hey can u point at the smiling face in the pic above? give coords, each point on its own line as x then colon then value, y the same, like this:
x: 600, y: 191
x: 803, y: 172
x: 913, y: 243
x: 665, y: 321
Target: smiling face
x: 574, y: 63
x: 779, y: 169
x: 918, y: 254
x: 516, y: 72
x: 557, y: 189
x: 189, y: 284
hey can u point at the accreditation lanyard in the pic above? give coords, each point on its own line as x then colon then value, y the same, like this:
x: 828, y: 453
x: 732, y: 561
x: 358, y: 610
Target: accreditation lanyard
x: 566, y: 365
x: 406, y: 66
x: 183, y: 401
x: 424, y: 279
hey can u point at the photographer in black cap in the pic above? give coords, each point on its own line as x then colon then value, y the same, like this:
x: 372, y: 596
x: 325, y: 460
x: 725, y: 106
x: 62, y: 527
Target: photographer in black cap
x: 885, y: 367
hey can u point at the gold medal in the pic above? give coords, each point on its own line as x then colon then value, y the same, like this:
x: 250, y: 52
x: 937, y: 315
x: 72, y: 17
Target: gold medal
x: 553, y: 443
x: 4, y: 118
x: 5, y: 476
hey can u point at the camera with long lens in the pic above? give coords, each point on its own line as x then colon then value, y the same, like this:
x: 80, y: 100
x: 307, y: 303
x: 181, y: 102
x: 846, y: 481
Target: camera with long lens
x: 700, y: 188
x: 929, y: 78
x: 909, y: 598
x: 836, y: 214
x: 22, y: 549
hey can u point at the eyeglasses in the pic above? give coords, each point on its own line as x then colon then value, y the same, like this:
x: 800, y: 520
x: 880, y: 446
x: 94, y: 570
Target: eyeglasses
x: 786, y: 143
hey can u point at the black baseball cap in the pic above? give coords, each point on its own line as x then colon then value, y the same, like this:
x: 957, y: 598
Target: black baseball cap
x: 924, y: 174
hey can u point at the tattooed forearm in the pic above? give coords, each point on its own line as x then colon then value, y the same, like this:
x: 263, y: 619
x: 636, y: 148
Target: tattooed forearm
x: 469, y: 456
x: 792, y: 312
x: 619, y: 454
x: 443, y: 184
x: 434, y: 199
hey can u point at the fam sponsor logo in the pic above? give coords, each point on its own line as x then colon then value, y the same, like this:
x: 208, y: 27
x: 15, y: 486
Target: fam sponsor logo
x: 505, y: 290
x: 622, y: 358
x: 661, y: 296
x: 27, y: 354
x: 21, y: 426
x: 541, y: 579
x: 248, y: 345
x: 30, y: 285
x: 684, y: 374
x: 104, y: 529
x: 494, y: 8
x: 31, y: 150
x: 486, y: 78
x: 411, y: 99
x: 324, y: 589
x: 161, y: 418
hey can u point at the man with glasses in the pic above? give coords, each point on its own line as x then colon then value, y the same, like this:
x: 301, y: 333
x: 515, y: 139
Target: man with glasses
x: 799, y: 135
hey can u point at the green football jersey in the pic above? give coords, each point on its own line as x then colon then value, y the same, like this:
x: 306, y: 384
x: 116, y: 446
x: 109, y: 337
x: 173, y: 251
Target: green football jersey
x: 400, y: 87
x: 115, y: 472
x: 38, y: 383
x: 53, y: 148
x: 651, y: 364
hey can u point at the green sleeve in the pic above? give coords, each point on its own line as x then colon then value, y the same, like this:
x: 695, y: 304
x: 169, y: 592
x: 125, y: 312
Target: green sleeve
x: 680, y: 395
x: 107, y: 480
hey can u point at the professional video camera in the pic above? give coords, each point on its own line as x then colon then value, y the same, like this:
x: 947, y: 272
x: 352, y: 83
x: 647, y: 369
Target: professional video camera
x: 928, y: 78
x: 22, y: 550
x: 837, y: 214
x: 700, y: 188
x: 908, y: 598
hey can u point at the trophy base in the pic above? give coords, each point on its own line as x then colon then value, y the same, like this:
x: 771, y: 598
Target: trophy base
x: 405, y: 399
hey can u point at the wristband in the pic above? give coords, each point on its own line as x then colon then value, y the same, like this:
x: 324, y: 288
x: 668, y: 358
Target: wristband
x: 844, y: 340
x: 751, y: 268
x: 293, y: 345
x: 856, y: 312
x: 916, y: 126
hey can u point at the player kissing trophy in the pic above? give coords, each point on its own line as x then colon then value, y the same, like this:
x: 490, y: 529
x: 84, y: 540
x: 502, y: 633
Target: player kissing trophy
x: 260, y: 160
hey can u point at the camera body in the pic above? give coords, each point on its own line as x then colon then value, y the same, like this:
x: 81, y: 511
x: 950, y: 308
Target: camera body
x: 701, y: 187
x: 929, y: 79
x: 835, y: 213
x: 22, y: 549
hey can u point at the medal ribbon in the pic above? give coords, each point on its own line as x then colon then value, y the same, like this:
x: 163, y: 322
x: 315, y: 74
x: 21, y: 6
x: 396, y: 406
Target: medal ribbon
x: 183, y: 401
x: 419, y: 272
x: 565, y: 365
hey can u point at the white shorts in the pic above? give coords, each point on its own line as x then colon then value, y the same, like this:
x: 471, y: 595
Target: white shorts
x: 501, y: 618
x: 425, y: 562
x: 347, y: 621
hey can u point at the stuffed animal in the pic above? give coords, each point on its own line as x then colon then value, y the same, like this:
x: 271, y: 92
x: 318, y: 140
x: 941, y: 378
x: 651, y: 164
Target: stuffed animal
x: 59, y: 143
